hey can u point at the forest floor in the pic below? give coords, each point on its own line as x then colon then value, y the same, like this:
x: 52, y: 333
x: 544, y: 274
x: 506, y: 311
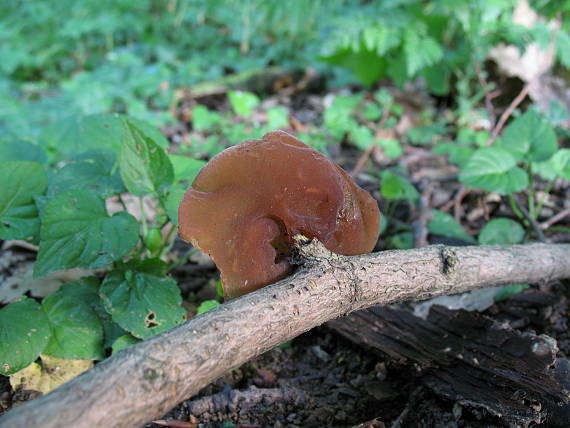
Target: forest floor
x: 321, y: 378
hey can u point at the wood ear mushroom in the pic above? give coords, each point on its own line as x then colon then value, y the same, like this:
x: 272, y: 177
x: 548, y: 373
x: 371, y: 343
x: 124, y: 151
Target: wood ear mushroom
x: 248, y: 202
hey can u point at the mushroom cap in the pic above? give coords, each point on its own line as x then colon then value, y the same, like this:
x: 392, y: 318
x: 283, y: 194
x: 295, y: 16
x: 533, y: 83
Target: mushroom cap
x: 248, y: 202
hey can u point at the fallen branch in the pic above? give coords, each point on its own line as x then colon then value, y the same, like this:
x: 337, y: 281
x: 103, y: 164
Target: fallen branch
x: 144, y: 381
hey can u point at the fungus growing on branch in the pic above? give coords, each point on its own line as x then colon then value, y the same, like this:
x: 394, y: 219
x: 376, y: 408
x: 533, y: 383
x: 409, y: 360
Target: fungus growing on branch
x: 248, y: 202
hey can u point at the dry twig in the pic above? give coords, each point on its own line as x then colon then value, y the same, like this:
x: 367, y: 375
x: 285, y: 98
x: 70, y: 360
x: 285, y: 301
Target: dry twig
x: 144, y: 381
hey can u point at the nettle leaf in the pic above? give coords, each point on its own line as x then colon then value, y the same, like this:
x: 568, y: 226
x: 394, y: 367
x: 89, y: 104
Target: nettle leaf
x: 530, y: 137
x: 20, y: 182
x: 186, y: 168
x: 395, y: 187
x: 501, y: 231
x: 494, y: 169
x: 74, y: 135
x: 93, y: 171
x: 76, y: 231
x: 142, y: 303
x: 21, y: 151
x: 243, y: 102
x: 444, y: 224
x: 24, y: 333
x: 77, y: 331
x: 561, y: 163
x: 145, y: 167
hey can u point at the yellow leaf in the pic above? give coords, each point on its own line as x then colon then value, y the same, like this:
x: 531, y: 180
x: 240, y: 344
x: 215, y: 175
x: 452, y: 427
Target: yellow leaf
x: 52, y: 373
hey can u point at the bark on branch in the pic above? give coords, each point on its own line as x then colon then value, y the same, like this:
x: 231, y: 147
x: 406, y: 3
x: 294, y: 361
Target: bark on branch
x: 146, y: 380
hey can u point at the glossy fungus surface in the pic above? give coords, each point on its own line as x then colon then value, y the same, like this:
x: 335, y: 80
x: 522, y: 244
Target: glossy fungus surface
x: 248, y: 202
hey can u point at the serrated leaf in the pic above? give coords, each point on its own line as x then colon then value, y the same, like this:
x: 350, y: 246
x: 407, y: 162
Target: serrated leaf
x: 395, y: 187
x: 444, y: 224
x: 529, y: 137
x: 501, y: 231
x: 21, y: 151
x: 145, y: 167
x: 141, y: 303
x: 92, y: 171
x: 24, y: 333
x: 243, y: 102
x: 76, y: 231
x: 77, y: 331
x: 20, y: 182
x: 493, y: 169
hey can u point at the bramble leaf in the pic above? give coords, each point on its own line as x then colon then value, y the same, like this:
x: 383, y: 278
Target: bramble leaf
x: 77, y: 232
x: 142, y: 303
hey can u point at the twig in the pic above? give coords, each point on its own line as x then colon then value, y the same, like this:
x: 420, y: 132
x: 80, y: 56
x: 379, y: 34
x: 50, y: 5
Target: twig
x: 420, y: 225
x: 488, y: 95
x: 535, y: 226
x: 507, y: 113
x: 142, y: 382
x: 555, y: 219
x: 415, y: 396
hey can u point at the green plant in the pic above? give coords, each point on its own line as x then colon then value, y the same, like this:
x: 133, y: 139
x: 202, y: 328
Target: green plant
x: 527, y: 148
x: 64, y: 207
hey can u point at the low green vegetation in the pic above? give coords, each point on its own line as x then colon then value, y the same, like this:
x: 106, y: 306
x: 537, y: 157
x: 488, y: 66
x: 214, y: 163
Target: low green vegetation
x: 82, y: 104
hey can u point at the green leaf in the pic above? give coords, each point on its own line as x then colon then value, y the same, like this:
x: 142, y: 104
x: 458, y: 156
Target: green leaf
x: 493, y: 169
x: 561, y: 163
x: 78, y: 134
x: 207, y: 305
x: 21, y: 151
x: 204, y: 119
x: 24, y: 333
x: 77, y: 232
x: 123, y: 342
x: 141, y: 303
x: 186, y: 168
x: 529, y: 137
x: 366, y: 65
x: 243, y: 102
x: 394, y: 186
x: 172, y: 202
x: 501, y: 231
x: 421, y: 51
x: 509, y: 290
x: 444, y: 224
x: 563, y: 47
x: 93, y: 172
x: 20, y: 182
x: 458, y: 155
x: 362, y: 137
x: 392, y: 148
x: 77, y: 331
x: 145, y: 167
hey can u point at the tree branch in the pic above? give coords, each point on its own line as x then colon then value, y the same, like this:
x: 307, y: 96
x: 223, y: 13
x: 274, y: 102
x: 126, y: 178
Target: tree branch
x: 146, y: 380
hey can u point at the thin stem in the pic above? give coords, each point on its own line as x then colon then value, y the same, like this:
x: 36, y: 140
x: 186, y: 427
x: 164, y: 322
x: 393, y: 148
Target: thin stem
x: 507, y: 113
x: 143, y: 216
x: 544, y: 196
x: 182, y: 260
x: 531, y: 199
